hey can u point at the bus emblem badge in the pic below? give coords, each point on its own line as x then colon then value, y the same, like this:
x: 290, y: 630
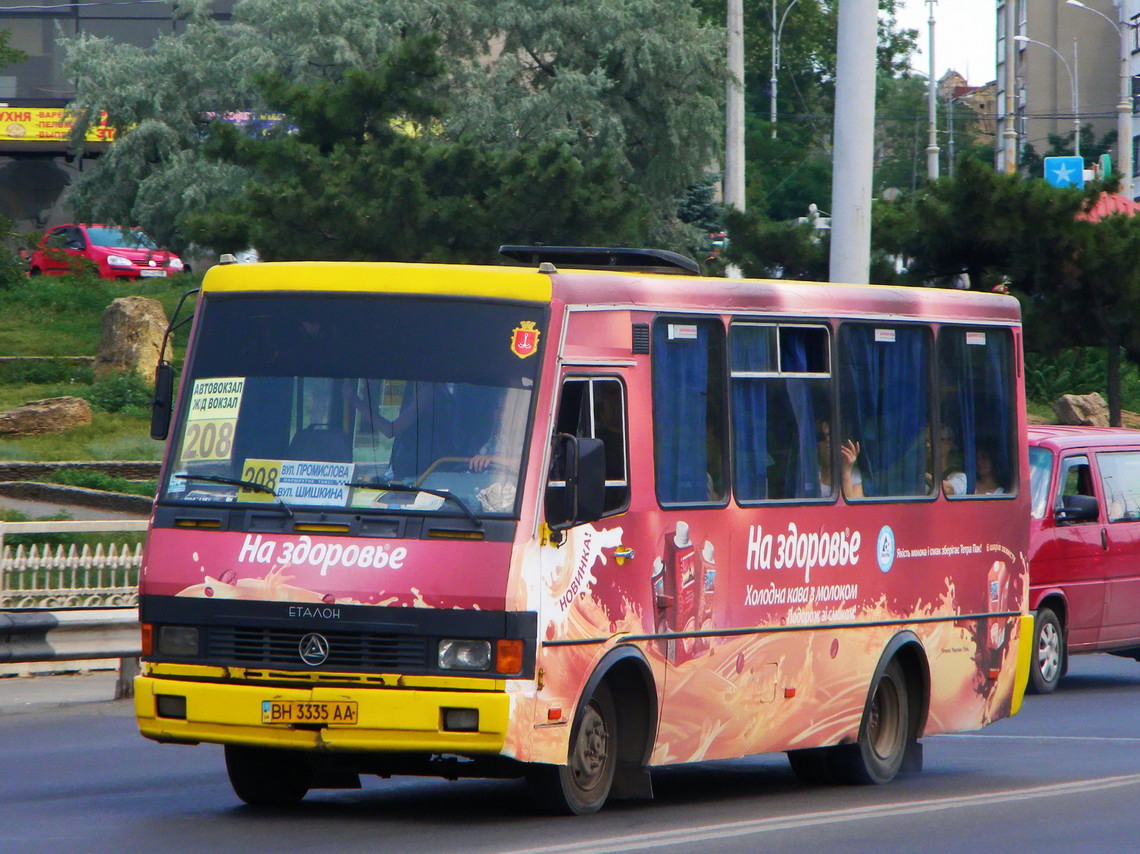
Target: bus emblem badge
x: 314, y: 649
x: 524, y: 339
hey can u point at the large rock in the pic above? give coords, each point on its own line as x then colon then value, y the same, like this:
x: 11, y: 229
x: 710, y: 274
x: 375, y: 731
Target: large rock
x: 131, y: 338
x: 1086, y: 410
x: 53, y: 415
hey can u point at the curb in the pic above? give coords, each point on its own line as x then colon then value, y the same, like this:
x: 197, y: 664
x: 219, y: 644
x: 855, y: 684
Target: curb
x: 76, y: 495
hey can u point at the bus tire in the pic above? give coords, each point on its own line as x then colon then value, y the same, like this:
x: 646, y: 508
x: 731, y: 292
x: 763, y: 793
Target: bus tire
x: 1048, y: 663
x: 883, y: 734
x: 264, y: 777
x: 581, y: 786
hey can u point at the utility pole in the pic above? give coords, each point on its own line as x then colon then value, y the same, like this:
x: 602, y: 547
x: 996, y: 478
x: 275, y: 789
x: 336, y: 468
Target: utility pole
x: 1009, y: 129
x: 932, y: 123
x: 852, y: 160
x: 734, y: 109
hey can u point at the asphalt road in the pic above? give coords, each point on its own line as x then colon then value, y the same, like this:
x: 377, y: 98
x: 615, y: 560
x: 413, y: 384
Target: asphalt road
x: 1064, y: 776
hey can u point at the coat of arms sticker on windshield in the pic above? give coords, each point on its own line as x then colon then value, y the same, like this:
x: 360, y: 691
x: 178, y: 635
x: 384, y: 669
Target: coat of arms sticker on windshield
x: 524, y: 339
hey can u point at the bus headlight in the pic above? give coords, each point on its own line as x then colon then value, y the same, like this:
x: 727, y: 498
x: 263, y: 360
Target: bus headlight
x: 178, y: 641
x: 464, y: 655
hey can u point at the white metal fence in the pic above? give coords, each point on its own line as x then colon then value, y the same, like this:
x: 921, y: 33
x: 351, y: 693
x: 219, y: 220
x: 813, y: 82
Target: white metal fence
x: 104, y: 575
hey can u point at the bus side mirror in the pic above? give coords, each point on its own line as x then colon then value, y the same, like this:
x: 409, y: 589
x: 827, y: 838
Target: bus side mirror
x: 162, y: 404
x: 576, y: 491
x: 1077, y: 508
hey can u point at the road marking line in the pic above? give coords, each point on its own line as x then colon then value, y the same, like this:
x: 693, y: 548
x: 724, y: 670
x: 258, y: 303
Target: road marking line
x: 728, y: 830
x: 1039, y: 737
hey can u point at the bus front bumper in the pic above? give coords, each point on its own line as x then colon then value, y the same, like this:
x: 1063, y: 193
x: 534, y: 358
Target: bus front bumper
x: 390, y: 719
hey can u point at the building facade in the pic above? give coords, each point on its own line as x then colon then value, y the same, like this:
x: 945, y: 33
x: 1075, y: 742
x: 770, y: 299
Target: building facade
x: 1060, y: 65
x: 35, y: 162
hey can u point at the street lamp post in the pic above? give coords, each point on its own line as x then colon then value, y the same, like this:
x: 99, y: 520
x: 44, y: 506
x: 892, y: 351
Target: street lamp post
x: 777, y: 31
x: 932, y: 123
x: 1072, y: 86
x: 1124, y: 107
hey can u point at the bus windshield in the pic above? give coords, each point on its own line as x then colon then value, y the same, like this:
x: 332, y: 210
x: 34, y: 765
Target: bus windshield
x: 357, y: 402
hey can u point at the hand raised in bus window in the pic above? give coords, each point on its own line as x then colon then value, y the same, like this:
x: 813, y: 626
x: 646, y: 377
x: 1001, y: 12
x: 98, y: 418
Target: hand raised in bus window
x: 850, y: 478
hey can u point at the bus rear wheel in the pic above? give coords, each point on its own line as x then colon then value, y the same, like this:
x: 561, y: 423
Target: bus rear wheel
x: 263, y: 777
x: 883, y: 735
x: 582, y: 785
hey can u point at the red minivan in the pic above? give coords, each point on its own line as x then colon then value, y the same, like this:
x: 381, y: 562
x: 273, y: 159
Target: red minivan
x: 1084, y: 545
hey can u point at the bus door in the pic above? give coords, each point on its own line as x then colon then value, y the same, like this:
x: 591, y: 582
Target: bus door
x: 588, y: 583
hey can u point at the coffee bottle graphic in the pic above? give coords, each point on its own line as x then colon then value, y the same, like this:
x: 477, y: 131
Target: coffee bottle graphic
x: 708, y: 585
x: 681, y: 569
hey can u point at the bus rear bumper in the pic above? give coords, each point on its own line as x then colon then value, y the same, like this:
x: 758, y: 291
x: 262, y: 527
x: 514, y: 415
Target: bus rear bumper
x: 386, y: 719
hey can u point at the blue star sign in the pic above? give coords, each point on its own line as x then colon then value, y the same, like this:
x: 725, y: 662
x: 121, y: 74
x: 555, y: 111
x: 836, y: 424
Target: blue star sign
x: 1065, y: 171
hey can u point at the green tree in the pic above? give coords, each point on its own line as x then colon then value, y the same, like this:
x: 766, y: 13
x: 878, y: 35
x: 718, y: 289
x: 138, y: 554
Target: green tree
x: 361, y: 176
x: 636, y: 87
x: 8, y: 54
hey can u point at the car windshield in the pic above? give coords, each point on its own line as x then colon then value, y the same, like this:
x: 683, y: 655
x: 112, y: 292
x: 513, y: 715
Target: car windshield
x: 1040, y: 472
x: 129, y: 238
x: 359, y: 403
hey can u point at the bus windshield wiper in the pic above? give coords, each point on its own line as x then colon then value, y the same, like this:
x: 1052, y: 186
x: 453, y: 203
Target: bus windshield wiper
x: 396, y: 486
x: 233, y: 481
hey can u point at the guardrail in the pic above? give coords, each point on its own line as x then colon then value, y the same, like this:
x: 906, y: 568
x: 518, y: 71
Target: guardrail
x: 87, y: 579
x: 81, y: 635
x: 58, y: 576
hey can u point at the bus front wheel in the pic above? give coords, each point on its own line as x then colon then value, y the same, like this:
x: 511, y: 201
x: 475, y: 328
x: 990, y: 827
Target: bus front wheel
x: 582, y: 785
x: 878, y: 754
x: 263, y: 777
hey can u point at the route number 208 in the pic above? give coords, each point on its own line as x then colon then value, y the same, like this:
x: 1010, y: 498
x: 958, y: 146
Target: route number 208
x: 208, y: 440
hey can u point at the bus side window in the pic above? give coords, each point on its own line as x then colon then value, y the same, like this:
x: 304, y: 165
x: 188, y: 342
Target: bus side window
x: 594, y: 407
x: 690, y: 411
x: 976, y: 453
x: 885, y: 395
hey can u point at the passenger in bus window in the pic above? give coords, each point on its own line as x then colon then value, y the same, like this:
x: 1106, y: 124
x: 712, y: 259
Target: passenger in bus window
x: 851, y: 478
x: 986, y: 482
x: 953, y: 478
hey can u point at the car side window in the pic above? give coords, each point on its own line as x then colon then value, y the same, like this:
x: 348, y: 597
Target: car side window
x: 57, y: 239
x: 1120, y: 479
x: 1075, y: 478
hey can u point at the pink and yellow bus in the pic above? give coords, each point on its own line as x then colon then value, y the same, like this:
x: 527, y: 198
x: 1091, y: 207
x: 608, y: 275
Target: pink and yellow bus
x: 579, y: 517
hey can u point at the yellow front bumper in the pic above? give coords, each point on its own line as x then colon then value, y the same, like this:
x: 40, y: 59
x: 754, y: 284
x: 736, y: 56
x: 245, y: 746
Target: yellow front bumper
x: 392, y: 717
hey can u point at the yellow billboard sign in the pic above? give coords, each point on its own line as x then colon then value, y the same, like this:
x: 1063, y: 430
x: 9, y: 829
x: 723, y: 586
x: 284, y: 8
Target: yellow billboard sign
x: 45, y: 124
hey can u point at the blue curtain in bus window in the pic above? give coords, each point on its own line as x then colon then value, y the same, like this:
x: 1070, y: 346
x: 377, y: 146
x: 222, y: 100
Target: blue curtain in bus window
x: 680, y: 399
x: 885, y: 405
x: 979, y: 367
x: 998, y: 360
x: 803, y: 477
x: 750, y: 352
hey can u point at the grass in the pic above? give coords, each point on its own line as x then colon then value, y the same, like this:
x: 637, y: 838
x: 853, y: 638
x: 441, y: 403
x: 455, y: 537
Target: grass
x: 54, y: 316
x: 71, y: 307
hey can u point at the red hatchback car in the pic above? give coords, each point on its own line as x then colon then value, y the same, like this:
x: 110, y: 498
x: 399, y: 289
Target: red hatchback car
x: 1084, y: 546
x: 117, y: 253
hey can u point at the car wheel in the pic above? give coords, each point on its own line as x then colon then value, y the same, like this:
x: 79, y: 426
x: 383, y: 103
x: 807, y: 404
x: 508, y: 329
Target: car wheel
x: 1048, y: 652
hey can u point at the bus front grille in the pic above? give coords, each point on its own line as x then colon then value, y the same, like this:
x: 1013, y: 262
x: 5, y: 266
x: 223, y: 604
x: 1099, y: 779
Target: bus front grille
x: 346, y: 650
